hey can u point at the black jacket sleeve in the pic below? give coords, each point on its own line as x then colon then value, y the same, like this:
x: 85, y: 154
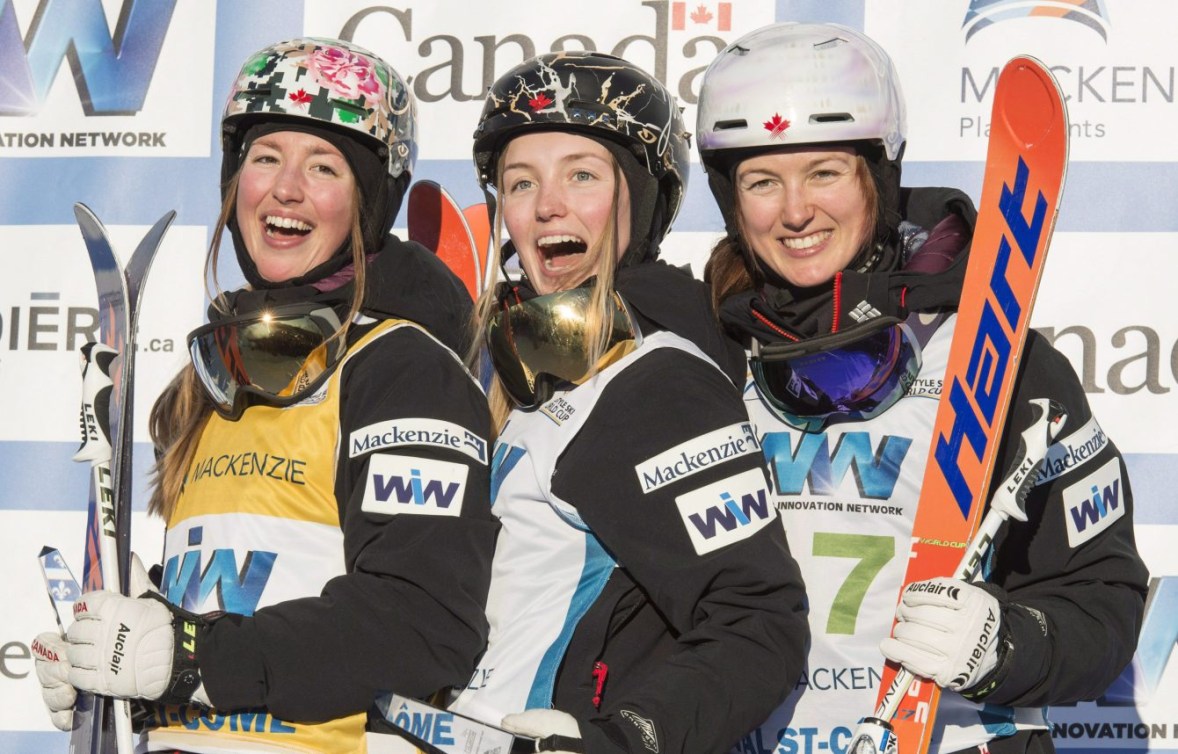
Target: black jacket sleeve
x: 408, y: 616
x: 736, y: 615
x: 1072, y: 582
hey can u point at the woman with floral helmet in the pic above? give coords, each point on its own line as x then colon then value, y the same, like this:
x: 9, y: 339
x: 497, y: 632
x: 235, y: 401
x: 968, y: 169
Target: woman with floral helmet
x: 844, y: 287
x: 641, y: 598
x: 323, y: 466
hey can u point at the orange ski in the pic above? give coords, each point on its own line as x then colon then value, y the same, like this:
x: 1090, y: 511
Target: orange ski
x: 479, y: 222
x: 1025, y: 167
x: 437, y: 223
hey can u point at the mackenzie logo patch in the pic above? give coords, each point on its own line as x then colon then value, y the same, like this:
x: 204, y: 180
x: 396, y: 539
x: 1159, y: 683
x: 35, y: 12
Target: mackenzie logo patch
x: 417, y: 431
x: 1092, y: 504
x: 697, y: 454
x: 727, y: 511
x: 403, y: 484
x: 1073, y: 451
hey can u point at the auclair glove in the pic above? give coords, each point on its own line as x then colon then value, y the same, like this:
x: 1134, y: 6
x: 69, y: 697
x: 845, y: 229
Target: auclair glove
x: 947, y: 631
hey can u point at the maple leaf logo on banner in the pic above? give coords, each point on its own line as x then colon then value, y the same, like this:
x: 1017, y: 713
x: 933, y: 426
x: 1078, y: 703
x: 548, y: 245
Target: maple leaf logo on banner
x: 776, y: 126
x: 701, y: 15
x: 300, y: 97
x: 539, y: 102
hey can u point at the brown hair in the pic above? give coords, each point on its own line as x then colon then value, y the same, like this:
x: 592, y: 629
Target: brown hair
x: 732, y: 266
x: 598, y: 325
x: 182, y: 410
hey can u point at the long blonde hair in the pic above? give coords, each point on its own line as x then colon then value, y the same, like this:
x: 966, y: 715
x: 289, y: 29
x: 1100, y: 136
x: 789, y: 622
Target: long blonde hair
x: 731, y: 265
x: 182, y: 410
x: 598, y: 320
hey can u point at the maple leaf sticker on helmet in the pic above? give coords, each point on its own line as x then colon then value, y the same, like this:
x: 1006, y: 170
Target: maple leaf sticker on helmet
x: 776, y: 126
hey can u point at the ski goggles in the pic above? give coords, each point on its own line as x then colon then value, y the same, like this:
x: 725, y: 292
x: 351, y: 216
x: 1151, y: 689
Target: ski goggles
x: 276, y: 356
x: 850, y: 376
x: 538, y: 343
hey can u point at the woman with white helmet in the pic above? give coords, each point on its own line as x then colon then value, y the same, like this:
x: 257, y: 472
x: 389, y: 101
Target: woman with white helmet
x: 843, y: 286
x: 323, y: 467
x: 642, y: 597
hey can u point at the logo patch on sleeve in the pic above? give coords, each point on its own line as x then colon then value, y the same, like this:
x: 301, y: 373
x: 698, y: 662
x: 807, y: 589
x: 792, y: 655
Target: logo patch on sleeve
x: 725, y: 512
x: 419, y: 431
x: 1092, y: 504
x: 419, y: 486
x: 1073, y: 451
x: 697, y: 454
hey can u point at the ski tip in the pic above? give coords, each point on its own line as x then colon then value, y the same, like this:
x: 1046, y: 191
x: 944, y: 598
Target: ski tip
x: 1040, y: 114
x: 46, y: 550
x: 83, y: 213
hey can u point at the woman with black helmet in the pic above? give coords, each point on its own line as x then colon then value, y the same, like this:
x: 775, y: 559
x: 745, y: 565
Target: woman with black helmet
x: 323, y: 468
x: 641, y: 599
x: 843, y: 285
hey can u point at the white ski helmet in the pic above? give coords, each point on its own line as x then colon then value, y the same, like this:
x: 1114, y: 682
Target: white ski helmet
x: 792, y: 83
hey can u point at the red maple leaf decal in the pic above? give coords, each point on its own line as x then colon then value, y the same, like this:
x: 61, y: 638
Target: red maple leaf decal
x: 540, y: 101
x: 701, y: 15
x: 776, y: 126
x: 301, y: 97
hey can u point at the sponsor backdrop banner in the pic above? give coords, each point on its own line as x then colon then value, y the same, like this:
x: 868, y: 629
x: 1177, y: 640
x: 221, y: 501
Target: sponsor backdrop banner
x: 116, y: 103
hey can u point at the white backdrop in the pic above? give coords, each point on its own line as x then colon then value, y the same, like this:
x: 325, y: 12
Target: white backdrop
x: 130, y: 128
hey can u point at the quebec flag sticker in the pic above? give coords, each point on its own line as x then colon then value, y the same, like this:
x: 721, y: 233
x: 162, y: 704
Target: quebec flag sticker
x: 1092, y: 504
x: 419, y: 486
x: 725, y: 512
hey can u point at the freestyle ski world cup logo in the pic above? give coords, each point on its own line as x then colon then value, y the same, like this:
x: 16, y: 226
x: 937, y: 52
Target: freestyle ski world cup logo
x: 985, y: 13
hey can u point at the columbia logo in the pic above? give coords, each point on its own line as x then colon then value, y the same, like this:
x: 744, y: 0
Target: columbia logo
x: 645, y: 729
x: 863, y: 311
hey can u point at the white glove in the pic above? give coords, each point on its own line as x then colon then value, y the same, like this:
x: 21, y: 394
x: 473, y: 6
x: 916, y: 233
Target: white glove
x: 134, y: 647
x: 559, y: 728
x: 947, y: 631
x: 49, y: 657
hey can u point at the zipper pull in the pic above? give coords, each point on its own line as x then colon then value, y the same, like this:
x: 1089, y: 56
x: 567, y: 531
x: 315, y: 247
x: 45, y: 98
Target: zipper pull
x: 600, y: 671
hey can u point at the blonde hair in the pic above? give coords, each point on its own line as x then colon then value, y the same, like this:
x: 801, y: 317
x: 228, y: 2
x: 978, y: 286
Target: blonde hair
x: 599, y: 322
x: 731, y: 265
x: 182, y: 410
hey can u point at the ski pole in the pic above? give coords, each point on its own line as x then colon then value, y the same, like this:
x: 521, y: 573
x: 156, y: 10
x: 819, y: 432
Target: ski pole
x: 875, y: 735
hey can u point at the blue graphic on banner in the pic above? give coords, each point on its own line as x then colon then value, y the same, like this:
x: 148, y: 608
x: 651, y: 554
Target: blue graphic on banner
x: 984, y: 13
x: 112, y: 72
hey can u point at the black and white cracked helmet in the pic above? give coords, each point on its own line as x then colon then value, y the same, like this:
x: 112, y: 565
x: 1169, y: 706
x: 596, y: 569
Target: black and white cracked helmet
x: 600, y: 96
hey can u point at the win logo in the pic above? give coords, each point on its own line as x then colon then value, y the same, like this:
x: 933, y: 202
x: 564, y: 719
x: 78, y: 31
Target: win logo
x: 234, y: 589
x: 985, y: 13
x: 404, y: 484
x: 727, y: 511
x: 812, y: 464
x: 111, y: 71
x: 1093, y: 503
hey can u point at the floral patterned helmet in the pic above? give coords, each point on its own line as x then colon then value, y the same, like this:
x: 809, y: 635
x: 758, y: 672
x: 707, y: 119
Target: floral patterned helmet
x: 600, y: 96
x: 328, y: 81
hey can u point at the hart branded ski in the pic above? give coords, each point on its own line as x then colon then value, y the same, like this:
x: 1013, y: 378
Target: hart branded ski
x: 102, y: 726
x: 1025, y: 167
x: 437, y: 223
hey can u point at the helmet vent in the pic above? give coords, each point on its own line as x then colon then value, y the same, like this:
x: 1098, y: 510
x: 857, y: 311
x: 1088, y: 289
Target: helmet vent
x: 348, y: 106
x: 830, y: 43
x: 728, y: 125
x: 832, y: 118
